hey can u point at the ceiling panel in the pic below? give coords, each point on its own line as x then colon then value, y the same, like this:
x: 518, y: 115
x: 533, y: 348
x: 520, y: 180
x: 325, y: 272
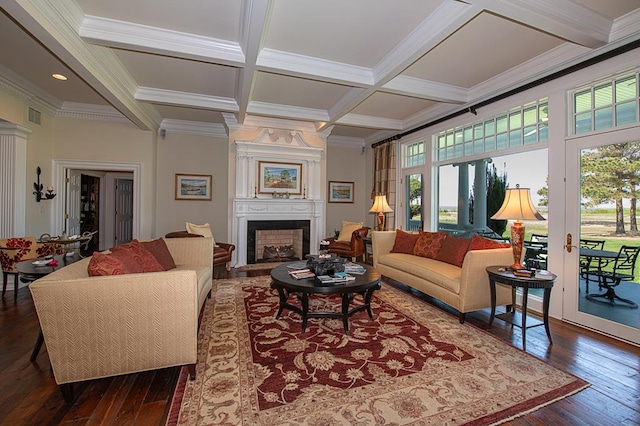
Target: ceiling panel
x: 284, y: 90
x: 169, y: 73
x: 466, y: 59
x: 218, y: 19
x: 357, y: 32
x: 30, y: 61
x: 378, y: 105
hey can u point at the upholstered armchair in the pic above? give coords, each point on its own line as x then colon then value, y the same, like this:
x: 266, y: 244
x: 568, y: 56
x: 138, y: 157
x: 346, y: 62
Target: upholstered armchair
x: 352, y: 248
x: 15, y: 250
x: 221, y: 252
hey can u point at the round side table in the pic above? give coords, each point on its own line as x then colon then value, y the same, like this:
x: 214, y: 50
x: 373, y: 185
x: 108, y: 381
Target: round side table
x: 542, y: 279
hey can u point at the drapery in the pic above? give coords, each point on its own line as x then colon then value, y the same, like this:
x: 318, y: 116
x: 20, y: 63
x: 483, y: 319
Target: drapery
x: 384, y: 178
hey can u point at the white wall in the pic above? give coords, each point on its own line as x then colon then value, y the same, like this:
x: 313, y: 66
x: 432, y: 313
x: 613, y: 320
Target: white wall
x: 192, y: 154
x: 348, y: 164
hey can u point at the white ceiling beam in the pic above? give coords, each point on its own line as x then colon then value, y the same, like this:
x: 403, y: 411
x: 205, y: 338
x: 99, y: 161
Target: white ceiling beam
x: 161, y: 41
x: 439, y: 25
x: 255, y: 16
x: 425, y: 89
x: 565, y: 19
x: 287, y: 111
x: 56, y: 26
x: 194, y: 100
x: 368, y: 121
x: 296, y: 65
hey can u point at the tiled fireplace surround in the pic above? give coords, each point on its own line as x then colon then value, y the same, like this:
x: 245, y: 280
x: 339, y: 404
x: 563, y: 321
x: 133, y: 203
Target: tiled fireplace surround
x: 300, y: 211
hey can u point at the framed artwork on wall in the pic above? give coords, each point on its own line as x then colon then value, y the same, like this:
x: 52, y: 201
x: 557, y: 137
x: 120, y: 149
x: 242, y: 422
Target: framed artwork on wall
x: 193, y: 187
x: 279, y: 177
x: 340, y: 192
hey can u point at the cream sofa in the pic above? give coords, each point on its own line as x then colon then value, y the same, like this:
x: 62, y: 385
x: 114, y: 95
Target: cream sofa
x: 466, y: 289
x: 110, y: 325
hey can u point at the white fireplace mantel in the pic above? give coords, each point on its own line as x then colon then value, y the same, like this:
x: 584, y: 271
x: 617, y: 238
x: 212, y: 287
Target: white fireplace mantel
x: 278, y: 145
x: 250, y: 209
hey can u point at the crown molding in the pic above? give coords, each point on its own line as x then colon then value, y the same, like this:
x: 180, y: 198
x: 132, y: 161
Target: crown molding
x: 370, y: 121
x: 345, y: 141
x: 91, y: 112
x: 214, y: 130
x: 284, y: 111
x: 144, y: 38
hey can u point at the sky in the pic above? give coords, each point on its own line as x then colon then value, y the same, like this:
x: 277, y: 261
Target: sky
x: 528, y: 169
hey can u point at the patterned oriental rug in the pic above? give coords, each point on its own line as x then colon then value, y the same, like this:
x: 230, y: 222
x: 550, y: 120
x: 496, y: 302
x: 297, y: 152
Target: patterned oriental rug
x: 412, y: 364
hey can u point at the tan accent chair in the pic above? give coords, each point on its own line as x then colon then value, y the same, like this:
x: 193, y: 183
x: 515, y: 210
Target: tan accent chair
x: 102, y: 326
x: 351, y: 249
x: 222, y: 252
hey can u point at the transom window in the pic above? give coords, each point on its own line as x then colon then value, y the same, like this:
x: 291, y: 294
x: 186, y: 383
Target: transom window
x: 606, y: 105
x: 413, y: 154
x: 524, y: 125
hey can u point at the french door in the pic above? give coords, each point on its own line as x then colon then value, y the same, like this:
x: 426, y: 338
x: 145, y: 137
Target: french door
x: 592, y: 212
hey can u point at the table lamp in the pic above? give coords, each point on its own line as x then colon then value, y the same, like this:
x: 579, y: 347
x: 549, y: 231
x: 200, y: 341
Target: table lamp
x: 517, y: 206
x: 380, y: 206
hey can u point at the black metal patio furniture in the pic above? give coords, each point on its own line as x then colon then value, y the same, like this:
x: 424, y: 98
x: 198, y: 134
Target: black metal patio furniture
x: 623, y: 269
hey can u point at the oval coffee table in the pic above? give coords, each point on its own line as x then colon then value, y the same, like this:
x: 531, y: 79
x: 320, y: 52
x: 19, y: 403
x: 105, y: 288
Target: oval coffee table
x: 364, y: 285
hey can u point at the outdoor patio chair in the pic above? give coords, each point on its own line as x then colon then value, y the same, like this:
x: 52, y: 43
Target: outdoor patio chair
x: 588, y: 264
x: 623, y: 269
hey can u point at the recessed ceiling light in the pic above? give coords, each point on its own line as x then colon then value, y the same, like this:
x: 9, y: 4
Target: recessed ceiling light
x: 59, y: 77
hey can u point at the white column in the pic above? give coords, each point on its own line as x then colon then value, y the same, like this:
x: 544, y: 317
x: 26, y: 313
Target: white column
x: 13, y: 179
x: 480, y: 200
x: 463, y: 195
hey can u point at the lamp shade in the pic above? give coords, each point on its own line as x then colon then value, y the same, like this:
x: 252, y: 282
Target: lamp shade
x: 517, y: 205
x: 380, y: 205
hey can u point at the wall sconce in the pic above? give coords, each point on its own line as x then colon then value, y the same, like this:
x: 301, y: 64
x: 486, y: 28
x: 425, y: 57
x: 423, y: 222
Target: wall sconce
x: 38, y: 188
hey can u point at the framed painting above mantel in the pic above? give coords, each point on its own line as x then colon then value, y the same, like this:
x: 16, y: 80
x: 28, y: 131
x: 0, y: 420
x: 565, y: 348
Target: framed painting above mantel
x: 279, y: 177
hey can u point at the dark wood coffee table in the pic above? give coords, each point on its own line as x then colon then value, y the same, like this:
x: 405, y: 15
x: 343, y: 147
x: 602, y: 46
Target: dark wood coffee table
x: 364, y: 285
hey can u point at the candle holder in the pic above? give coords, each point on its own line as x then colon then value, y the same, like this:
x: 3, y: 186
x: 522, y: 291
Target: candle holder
x: 49, y: 195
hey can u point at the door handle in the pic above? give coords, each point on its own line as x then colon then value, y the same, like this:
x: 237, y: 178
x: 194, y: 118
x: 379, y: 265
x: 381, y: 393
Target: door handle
x: 569, y: 246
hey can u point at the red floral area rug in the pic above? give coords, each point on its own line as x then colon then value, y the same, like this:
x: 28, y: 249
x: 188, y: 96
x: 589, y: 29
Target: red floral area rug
x: 411, y: 364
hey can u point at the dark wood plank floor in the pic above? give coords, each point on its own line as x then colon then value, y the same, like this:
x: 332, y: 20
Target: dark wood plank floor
x: 29, y: 395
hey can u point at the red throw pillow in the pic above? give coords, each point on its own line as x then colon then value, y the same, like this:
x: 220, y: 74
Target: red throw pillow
x: 428, y: 244
x: 453, y: 250
x: 158, y: 248
x: 102, y: 264
x: 405, y: 242
x: 481, y: 243
x: 136, y: 258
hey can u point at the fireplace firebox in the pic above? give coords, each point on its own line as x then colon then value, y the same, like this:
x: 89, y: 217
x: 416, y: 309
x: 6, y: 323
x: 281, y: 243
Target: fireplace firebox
x: 253, y: 226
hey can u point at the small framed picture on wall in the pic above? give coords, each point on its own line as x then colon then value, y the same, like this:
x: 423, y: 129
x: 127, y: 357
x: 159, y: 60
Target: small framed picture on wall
x: 340, y: 192
x: 193, y: 187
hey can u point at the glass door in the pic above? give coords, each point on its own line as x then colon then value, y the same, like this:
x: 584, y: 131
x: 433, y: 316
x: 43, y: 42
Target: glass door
x: 413, y: 205
x: 602, y: 182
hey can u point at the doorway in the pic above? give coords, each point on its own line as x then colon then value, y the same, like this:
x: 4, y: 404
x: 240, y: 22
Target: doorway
x: 108, y: 173
x: 598, y: 208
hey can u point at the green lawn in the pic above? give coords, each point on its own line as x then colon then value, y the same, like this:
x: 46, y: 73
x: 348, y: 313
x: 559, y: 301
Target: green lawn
x: 596, y: 224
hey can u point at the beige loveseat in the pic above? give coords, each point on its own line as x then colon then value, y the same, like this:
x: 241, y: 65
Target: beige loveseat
x: 100, y: 326
x: 466, y: 289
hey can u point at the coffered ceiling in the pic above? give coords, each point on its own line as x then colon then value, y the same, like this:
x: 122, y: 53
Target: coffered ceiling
x: 361, y: 69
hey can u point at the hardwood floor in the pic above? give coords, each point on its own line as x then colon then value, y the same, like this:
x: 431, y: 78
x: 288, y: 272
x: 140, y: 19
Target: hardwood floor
x: 29, y: 395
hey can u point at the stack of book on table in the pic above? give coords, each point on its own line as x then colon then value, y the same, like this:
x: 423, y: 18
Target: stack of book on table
x: 299, y: 274
x: 354, y: 268
x: 336, y: 278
